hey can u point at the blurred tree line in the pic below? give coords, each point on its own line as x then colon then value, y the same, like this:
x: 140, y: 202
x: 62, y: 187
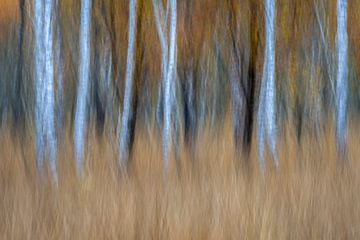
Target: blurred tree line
x: 220, y: 51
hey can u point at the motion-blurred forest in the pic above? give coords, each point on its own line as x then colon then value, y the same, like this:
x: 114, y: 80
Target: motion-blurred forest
x: 214, y: 188
x: 209, y: 32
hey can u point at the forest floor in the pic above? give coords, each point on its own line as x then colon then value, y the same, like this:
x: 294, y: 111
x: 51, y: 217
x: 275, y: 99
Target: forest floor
x: 215, y: 195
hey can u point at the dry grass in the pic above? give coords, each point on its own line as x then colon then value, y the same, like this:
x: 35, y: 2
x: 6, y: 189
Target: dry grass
x: 312, y: 196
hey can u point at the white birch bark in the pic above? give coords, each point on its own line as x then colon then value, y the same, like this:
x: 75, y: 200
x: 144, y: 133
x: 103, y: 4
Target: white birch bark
x: 161, y: 26
x: 83, y: 84
x: 44, y: 86
x: 342, y: 75
x: 39, y: 84
x: 267, y: 105
x: 59, y: 62
x: 167, y: 86
x: 49, y: 118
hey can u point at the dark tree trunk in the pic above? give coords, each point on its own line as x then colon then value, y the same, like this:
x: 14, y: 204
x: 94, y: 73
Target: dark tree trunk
x: 189, y: 81
x: 99, y: 107
x: 137, y: 77
x: 251, y: 77
x: 17, y: 106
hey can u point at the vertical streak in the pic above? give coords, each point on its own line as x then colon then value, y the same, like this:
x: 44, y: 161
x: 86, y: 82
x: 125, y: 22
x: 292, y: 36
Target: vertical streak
x: 271, y: 87
x: 127, y: 112
x: 167, y: 87
x: 39, y: 79
x: 261, y: 117
x: 267, y: 108
x: 59, y: 58
x: 342, y: 75
x: 18, y: 110
x: 49, y: 120
x: 161, y: 24
x: 83, y: 85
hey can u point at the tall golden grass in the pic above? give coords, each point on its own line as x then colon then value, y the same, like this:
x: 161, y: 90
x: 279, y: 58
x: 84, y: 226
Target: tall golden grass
x: 215, y: 195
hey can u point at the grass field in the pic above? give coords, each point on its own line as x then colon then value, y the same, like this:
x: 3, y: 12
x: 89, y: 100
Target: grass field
x: 215, y: 195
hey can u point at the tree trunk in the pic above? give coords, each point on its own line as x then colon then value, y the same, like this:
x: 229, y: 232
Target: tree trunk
x: 342, y: 75
x: 44, y: 75
x: 17, y: 106
x: 168, y: 83
x: 39, y: 85
x: 81, y: 112
x: 267, y: 108
x: 128, y: 95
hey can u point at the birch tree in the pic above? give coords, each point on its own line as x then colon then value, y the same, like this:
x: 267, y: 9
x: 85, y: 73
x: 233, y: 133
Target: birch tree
x: 242, y: 73
x: 50, y: 97
x: 39, y: 83
x: 44, y: 75
x: 83, y: 84
x: 167, y: 86
x: 267, y: 109
x: 342, y: 75
x: 161, y: 20
x: 59, y: 62
x: 128, y: 96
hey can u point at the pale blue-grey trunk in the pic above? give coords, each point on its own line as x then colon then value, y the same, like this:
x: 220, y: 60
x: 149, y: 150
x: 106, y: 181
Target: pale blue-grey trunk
x: 59, y: 61
x: 49, y: 120
x: 161, y: 26
x: 127, y: 112
x: 44, y: 86
x: 342, y: 75
x: 261, y: 118
x: 203, y: 93
x: 267, y: 104
x: 39, y: 83
x: 175, y: 114
x: 161, y: 20
x: 83, y: 84
x: 168, y: 84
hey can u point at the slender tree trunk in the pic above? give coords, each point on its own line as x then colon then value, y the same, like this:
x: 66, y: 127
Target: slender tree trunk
x: 189, y: 81
x: 203, y: 94
x: 98, y: 78
x: 167, y: 87
x: 128, y: 96
x: 49, y: 87
x: 83, y: 84
x: 114, y: 54
x: 44, y: 75
x: 251, y: 78
x: 267, y: 108
x: 242, y: 80
x: 39, y: 84
x: 18, y: 108
x: 59, y: 62
x: 237, y: 91
x: 161, y: 26
x: 342, y: 75
x: 189, y: 100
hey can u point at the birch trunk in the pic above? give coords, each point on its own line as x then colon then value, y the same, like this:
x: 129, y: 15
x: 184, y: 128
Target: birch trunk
x: 168, y: 83
x: 128, y: 96
x: 39, y: 84
x: 44, y: 85
x: 342, y: 75
x: 83, y: 84
x: 267, y: 108
x: 49, y: 118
